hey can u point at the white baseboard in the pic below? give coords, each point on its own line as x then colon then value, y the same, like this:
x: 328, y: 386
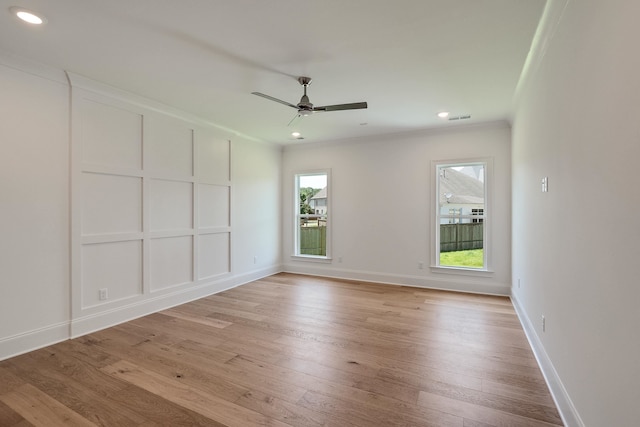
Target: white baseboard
x: 457, y: 283
x: 565, y: 406
x: 39, y: 338
x: 33, y: 340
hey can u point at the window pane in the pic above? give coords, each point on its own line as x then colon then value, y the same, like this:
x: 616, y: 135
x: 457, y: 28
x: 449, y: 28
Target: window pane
x: 461, y: 210
x: 313, y: 238
x: 312, y: 215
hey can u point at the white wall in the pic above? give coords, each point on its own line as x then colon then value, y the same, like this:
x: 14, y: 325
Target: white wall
x: 155, y: 205
x: 256, y: 206
x: 34, y: 207
x: 380, y: 205
x: 577, y: 122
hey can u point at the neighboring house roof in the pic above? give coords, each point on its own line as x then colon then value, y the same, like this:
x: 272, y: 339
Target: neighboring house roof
x: 464, y: 189
x: 322, y: 194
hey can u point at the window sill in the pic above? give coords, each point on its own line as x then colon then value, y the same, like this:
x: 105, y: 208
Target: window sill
x: 461, y: 271
x: 312, y: 258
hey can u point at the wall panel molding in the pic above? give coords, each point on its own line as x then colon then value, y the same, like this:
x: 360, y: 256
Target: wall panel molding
x: 151, y: 205
x: 42, y: 302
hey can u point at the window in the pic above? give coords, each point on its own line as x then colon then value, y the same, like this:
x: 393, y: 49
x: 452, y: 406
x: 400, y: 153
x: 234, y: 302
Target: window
x: 312, y: 214
x: 461, y: 215
x: 478, y: 213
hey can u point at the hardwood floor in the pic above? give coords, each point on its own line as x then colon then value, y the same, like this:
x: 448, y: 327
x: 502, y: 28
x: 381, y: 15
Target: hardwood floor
x: 291, y: 350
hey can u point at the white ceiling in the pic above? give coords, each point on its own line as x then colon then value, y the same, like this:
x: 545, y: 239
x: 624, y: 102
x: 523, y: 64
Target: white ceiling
x: 409, y: 59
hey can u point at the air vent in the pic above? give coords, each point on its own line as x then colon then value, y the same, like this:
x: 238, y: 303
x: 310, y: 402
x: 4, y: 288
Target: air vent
x: 468, y: 116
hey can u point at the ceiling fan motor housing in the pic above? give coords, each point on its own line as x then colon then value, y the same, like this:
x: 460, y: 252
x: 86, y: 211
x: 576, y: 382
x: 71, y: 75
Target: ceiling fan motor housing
x: 305, y: 107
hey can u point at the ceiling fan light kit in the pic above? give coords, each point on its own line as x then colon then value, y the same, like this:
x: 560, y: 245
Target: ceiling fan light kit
x: 306, y: 108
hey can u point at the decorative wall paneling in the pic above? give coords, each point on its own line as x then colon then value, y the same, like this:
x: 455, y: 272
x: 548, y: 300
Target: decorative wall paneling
x: 77, y: 201
x: 151, y: 207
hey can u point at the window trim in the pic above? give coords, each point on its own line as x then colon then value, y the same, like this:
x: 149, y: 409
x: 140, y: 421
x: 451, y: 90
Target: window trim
x: 486, y: 217
x: 296, y: 217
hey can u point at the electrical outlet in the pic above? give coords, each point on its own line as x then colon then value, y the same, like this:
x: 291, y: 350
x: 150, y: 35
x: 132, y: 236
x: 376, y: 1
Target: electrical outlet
x: 255, y: 259
x: 518, y: 283
x: 339, y: 259
x: 544, y: 324
x: 103, y: 294
x: 421, y: 265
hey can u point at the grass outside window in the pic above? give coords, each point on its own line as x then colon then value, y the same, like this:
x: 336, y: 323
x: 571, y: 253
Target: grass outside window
x: 470, y: 259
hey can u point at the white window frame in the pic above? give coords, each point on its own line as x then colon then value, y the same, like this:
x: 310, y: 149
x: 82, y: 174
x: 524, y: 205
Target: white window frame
x: 486, y: 217
x: 297, y: 216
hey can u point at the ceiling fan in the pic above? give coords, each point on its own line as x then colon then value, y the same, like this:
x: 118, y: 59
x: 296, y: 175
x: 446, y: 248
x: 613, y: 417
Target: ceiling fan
x: 306, y: 108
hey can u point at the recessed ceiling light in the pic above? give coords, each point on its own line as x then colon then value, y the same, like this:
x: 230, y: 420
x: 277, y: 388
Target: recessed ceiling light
x: 443, y: 114
x: 295, y: 134
x: 27, y: 16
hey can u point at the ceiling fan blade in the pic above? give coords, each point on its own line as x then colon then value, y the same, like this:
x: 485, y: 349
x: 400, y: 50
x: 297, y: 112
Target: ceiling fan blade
x: 271, y: 98
x: 338, y: 107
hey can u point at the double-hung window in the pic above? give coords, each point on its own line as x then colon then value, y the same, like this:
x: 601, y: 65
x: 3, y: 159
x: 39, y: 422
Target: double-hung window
x: 461, y: 215
x: 312, y: 210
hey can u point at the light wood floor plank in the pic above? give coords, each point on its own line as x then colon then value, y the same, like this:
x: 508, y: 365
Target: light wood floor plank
x: 81, y: 398
x: 40, y: 409
x: 198, y: 319
x: 189, y: 397
x: 478, y: 413
x: 10, y: 418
